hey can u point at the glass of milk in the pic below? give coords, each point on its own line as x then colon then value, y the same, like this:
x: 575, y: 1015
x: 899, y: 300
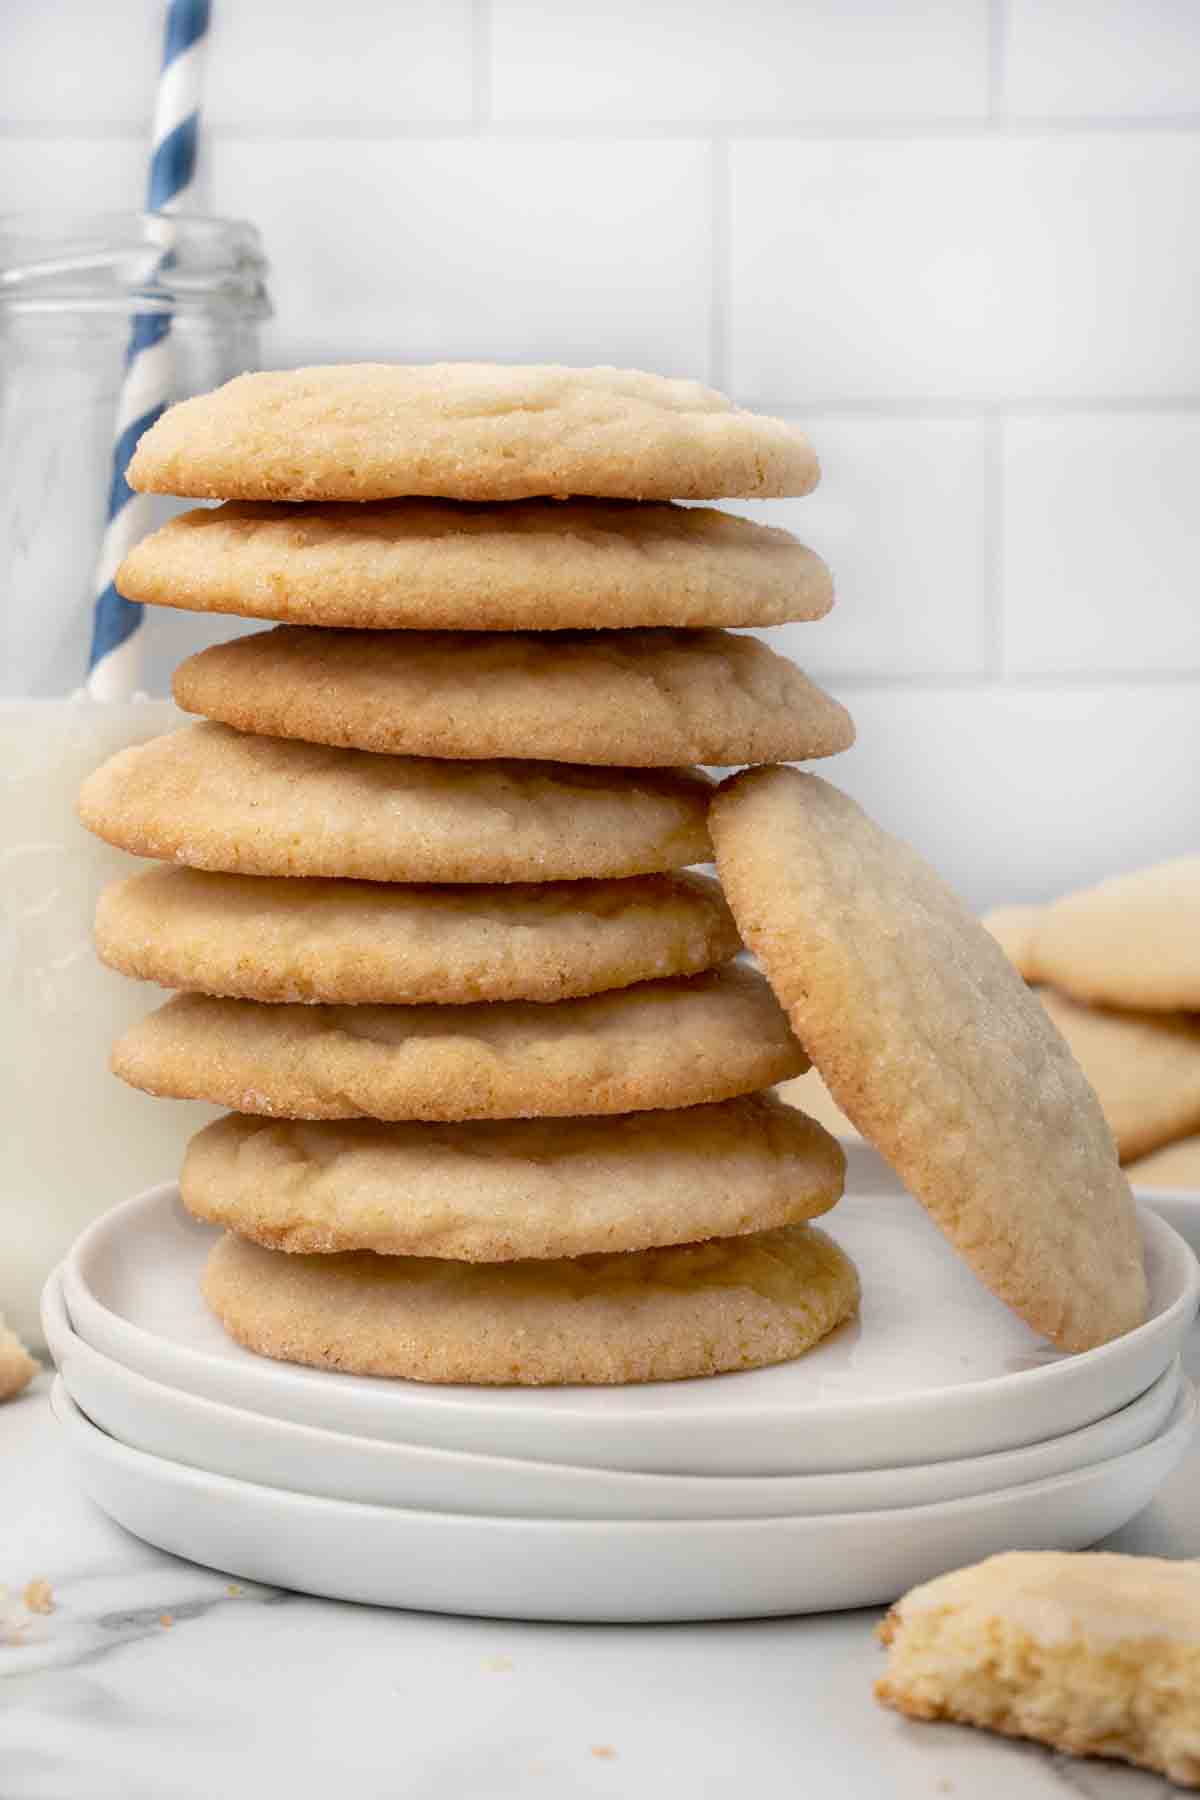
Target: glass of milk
x: 73, y: 1139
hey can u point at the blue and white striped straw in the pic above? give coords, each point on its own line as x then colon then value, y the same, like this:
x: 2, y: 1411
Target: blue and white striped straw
x: 113, y: 666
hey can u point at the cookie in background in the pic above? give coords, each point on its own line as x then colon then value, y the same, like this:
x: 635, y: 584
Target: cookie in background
x: 1174, y: 1166
x: 17, y: 1367
x: 1117, y: 967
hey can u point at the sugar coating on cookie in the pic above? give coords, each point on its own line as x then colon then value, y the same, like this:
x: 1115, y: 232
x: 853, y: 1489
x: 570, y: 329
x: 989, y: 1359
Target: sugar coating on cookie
x: 932, y: 1045
x: 638, y: 699
x: 1144, y: 1066
x: 17, y: 1367
x: 1132, y: 941
x: 528, y: 565
x: 659, y: 1044
x: 1015, y: 930
x: 1093, y: 1653
x: 252, y: 937
x: 468, y: 431
x: 214, y: 798
x: 494, y: 1191
x: 643, y: 1315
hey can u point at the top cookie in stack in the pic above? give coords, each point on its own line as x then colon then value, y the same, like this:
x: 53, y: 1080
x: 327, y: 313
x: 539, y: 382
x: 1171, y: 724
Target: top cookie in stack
x: 499, y: 654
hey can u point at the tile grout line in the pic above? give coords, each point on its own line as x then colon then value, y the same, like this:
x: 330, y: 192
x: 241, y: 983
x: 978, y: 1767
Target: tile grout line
x: 979, y: 129
x: 997, y: 44
x: 977, y: 407
x: 720, y: 297
x: 481, y: 64
x: 992, y: 548
x: 973, y: 681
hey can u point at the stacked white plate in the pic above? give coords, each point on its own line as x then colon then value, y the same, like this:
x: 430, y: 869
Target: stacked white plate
x: 934, y: 1430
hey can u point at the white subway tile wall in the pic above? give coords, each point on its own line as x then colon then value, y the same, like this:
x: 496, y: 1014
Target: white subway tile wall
x: 900, y: 517
x: 732, y: 61
x: 469, y: 248
x: 1101, y: 534
x: 955, y: 237
x: 966, y: 269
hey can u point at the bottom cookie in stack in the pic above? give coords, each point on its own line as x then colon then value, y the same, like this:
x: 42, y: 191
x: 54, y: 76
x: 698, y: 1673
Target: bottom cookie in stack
x: 642, y: 1247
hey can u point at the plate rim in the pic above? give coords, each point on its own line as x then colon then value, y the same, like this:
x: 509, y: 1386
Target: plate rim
x: 465, y: 1461
x: 459, y: 1397
x: 1179, y: 1425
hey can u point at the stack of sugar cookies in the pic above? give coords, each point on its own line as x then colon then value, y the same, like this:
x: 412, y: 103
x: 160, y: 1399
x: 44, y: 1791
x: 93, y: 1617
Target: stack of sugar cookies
x: 1117, y: 967
x: 497, y: 1083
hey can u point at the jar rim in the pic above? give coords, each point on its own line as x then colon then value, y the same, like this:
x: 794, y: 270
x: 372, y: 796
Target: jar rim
x: 56, y: 259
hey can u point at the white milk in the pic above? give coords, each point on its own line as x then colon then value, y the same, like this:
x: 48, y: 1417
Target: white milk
x: 73, y: 1139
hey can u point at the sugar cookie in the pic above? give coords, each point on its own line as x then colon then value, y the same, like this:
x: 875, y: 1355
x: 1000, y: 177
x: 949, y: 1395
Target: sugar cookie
x: 660, y: 1044
x: 1089, y: 1652
x: 530, y: 565
x: 213, y: 798
x: 642, y: 1315
x: 467, y: 431
x: 250, y: 937
x: 933, y: 1046
x: 491, y: 1191
x: 634, y: 699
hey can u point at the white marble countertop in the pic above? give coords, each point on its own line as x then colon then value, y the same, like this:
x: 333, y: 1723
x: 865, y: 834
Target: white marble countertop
x: 154, y: 1679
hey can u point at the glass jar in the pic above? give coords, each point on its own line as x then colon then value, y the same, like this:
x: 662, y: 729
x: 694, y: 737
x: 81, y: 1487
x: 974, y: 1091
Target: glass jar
x: 70, y: 288
x: 74, y: 1140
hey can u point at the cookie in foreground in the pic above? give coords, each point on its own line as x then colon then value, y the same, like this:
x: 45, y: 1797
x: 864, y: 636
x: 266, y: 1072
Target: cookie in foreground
x: 214, y: 798
x: 509, y: 1189
x: 254, y: 937
x: 530, y: 565
x: 468, y: 431
x: 678, y: 1042
x: 645, y: 1315
x: 615, y: 699
x: 1089, y: 1652
x: 936, y: 1050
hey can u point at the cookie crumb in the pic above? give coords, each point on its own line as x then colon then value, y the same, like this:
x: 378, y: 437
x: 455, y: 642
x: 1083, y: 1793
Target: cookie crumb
x: 605, y: 1751
x: 166, y: 1621
x: 498, y: 1665
x: 39, y: 1595
x: 233, y: 1590
x: 14, y: 1619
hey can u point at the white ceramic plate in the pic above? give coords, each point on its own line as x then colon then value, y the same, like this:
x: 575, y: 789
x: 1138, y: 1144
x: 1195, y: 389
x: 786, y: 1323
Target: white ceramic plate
x: 600, y: 1569
x: 1180, y: 1207
x: 204, y: 1434
x: 934, y: 1369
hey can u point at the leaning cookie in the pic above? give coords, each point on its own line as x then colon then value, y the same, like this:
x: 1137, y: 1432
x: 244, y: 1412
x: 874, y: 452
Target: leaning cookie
x: 468, y: 431
x: 643, y: 1315
x: 1133, y: 941
x: 532, y: 565
x: 213, y: 798
x: 1095, y: 1654
x: 932, y: 1045
x: 660, y: 1044
x: 249, y: 937
x: 637, y: 699
x: 494, y: 1191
